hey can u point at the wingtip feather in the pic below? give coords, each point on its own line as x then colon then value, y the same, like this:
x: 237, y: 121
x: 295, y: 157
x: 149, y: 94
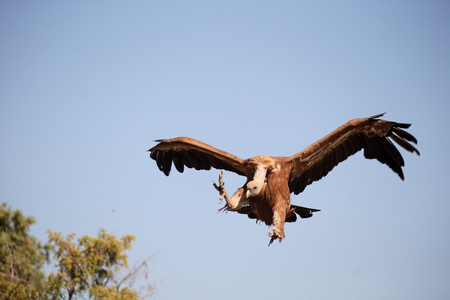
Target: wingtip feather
x: 377, y: 116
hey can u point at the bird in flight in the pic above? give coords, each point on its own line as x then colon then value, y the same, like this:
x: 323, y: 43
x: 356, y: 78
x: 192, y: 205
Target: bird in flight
x: 266, y: 194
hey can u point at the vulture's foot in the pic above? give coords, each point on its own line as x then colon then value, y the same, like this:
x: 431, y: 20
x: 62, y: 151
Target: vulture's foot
x: 222, y: 192
x: 236, y: 201
x: 224, y: 209
x: 276, y: 234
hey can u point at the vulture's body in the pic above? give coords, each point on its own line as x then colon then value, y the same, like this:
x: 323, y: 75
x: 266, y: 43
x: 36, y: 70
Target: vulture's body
x: 270, y: 180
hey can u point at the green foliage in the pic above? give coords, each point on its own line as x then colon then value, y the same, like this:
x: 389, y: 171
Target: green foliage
x: 90, y: 266
x: 86, y: 268
x: 21, y: 257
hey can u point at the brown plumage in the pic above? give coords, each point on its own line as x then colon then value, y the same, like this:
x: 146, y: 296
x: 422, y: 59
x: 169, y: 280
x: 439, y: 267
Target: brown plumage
x: 270, y: 180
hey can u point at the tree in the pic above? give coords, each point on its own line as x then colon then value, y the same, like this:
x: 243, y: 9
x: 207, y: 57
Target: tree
x: 21, y: 257
x: 90, y: 267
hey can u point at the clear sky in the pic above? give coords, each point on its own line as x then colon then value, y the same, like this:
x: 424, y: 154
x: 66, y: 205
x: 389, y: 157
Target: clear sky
x: 86, y: 86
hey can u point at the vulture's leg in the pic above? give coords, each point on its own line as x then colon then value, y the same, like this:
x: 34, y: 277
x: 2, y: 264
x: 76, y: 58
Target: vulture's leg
x: 279, y: 215
x: 235, y: 202
x: 221, y: 189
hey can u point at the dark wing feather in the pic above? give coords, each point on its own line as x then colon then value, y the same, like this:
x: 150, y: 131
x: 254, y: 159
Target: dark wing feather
x: 371, y: 134
x: 303, y: 212
x: 183, y: 151
x: 247, y: 210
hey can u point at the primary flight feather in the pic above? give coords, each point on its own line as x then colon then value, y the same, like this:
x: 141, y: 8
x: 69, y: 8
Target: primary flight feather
x: 266, y: 195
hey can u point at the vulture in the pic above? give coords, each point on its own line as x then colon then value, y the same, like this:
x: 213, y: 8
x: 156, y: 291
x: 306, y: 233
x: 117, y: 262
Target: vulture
x: 266, y: 194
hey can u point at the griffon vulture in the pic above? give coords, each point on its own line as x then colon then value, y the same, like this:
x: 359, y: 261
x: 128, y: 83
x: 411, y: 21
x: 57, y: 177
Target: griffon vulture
x: 266, y: 195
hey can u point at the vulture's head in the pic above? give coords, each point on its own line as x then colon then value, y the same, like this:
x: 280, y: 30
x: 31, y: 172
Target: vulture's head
x: 254, y: 187
x: 259, y: 166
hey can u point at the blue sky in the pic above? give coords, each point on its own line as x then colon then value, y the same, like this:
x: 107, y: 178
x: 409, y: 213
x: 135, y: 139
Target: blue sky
x: 85, y: 88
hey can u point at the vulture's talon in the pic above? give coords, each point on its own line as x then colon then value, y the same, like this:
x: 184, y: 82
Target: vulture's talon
x: 275, y: 235
x: 221, y: 189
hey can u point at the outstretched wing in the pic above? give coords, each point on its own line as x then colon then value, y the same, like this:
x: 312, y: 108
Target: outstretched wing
x: 371, y: 134
x: 184, y: 151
